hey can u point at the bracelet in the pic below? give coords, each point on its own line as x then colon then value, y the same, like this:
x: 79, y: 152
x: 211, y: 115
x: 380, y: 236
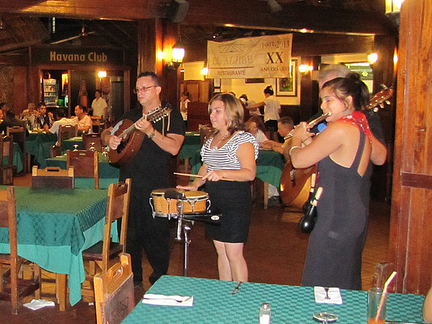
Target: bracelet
x: 292, y: 148
x: 153, y: 134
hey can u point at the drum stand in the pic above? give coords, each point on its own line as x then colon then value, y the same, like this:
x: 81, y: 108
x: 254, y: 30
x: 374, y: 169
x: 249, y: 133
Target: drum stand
x: 184, y: 228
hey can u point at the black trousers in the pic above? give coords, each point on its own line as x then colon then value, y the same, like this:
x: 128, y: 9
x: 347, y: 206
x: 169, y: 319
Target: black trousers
x: 148, y: 233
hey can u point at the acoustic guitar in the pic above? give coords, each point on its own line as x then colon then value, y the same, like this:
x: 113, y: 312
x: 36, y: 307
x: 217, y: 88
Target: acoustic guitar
x: 132, y: 139
x: 296, y: 183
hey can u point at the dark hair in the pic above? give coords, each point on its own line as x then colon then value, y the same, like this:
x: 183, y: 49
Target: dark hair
x: 269, y: 90
x: 185, y: 93
x: 352, y: 86
x: 233, y: 110
x: 97, y: 90
x: 83, y: 108
x: 41, y: 104
x: 244, y: 96
x: 10, y: 113
x: 152, y: 75
x: 60, y: 113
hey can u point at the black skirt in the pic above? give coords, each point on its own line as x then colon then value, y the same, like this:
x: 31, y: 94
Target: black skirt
x: 233, y: 200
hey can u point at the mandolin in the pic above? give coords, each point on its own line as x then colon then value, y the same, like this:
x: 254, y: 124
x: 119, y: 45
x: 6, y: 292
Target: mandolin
x: 132, y: 139
x: 296, y: 183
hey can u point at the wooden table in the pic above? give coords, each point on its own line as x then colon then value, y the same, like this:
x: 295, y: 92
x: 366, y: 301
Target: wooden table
x: 54, y: 227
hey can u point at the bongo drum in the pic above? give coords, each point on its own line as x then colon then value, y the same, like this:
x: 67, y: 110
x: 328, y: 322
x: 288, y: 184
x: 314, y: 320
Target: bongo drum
x: 196, y: 202
x: 161, y: 206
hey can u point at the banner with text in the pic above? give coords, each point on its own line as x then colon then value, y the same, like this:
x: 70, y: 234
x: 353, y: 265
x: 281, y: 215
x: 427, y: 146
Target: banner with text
x: 251, y: 57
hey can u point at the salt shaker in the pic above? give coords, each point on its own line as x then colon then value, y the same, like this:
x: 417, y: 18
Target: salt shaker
x: 265, y: 314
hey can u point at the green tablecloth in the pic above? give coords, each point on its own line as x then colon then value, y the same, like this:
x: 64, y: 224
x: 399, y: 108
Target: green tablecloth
x: 55, y: 226
x: 107, y: 173
x: 39, y: 144
x: 191, y: 144
x: 269, y: 166
x: 213, y: 303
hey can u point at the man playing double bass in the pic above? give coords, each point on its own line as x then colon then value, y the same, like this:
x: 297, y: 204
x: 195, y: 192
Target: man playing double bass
x: 149, y: 170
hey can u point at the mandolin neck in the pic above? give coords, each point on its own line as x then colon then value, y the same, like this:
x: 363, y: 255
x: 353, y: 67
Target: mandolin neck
x: 131, y: 128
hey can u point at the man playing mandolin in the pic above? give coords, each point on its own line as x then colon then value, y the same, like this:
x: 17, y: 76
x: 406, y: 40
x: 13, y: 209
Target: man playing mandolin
x: 148, y: 167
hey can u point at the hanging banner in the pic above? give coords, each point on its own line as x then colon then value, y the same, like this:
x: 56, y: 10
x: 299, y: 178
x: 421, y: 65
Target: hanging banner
x: 251, y: 57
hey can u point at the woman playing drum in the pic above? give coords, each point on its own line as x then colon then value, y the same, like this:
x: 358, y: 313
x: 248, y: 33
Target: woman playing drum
x: 343, y: 152
x: 230, y: 153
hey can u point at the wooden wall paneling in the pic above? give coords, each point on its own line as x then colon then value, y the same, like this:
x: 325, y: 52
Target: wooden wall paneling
x: 409, y: 234
x: 21, y: 95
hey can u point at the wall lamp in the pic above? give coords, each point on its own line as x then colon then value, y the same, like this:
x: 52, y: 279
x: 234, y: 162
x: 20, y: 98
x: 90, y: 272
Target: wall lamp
x: 177, y: 56
x: 305, y: 68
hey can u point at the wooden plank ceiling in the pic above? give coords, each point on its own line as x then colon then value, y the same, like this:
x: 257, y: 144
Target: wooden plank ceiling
x: 113, y: 22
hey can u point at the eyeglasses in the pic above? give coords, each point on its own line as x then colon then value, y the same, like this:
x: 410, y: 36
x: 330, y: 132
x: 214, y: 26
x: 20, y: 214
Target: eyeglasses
x: 145, y: 89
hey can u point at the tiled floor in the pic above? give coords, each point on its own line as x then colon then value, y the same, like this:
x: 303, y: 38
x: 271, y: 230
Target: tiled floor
x: 275, y: 253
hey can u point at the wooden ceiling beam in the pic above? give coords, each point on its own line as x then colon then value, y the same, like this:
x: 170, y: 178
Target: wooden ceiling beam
x: 239, y: 13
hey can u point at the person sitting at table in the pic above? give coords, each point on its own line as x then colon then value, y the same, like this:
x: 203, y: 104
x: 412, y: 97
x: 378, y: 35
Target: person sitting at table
x: 427, y: 307
x: 29, y: 115
x: 285, y: 126
x: 62, y: 120
x: 230, y: 153
x: 256, y: 127
x: 9, y: 120
x: 83, y: 120
x: 44, y: 120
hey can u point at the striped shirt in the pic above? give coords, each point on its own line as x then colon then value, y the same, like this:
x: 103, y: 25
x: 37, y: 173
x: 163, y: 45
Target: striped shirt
x: 225, y: 157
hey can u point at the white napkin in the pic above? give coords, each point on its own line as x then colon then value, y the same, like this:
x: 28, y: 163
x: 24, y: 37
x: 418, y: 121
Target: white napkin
x: 333, y: 294
x: 36, y: 304
x: 173, y: 300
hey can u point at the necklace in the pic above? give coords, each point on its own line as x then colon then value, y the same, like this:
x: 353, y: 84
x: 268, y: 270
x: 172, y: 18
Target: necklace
x: 215, y: 147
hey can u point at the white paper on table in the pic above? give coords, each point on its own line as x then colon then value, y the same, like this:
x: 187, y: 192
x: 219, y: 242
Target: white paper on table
x: 173, y: 300
x: 333, y: 294
x: 36, y: 304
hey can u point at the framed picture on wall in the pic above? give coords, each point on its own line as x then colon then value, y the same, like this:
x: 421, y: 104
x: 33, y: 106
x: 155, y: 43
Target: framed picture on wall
x: 287, y: 87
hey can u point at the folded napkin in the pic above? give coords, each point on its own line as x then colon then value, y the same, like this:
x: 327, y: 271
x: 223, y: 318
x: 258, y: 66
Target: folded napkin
x: 334, y: 296
x: 36, y: 304
x: 173, y: 300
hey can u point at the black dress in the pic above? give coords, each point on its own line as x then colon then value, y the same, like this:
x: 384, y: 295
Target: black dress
x: 334, y: 254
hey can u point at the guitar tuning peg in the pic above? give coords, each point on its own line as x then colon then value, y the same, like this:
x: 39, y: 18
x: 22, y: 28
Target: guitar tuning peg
x: 387, y: 102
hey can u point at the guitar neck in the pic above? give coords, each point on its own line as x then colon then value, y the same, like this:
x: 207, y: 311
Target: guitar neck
x: 153, y: 116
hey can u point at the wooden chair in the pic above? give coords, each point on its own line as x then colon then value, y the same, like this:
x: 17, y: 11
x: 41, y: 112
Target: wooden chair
x: 6, y: 160
x: 85, y: 164
x: 19, y: 135
x: 16, y: 288
x: 53, y: 177
x: 104, y: 251
x: 66, y: 131
x: 114, y: 292
x: 92, y: 142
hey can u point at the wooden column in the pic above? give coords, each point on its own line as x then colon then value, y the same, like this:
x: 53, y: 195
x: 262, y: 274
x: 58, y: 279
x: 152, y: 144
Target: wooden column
x: 411, y: 216
x: 155, y: 35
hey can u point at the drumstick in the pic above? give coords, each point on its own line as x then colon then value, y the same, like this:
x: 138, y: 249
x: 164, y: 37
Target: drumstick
x: 198, y: 176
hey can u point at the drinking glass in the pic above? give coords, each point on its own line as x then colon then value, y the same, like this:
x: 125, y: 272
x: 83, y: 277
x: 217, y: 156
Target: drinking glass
x: 375, y: 295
